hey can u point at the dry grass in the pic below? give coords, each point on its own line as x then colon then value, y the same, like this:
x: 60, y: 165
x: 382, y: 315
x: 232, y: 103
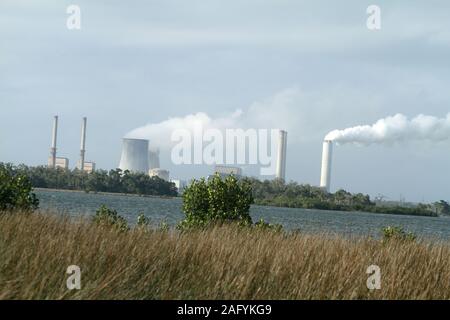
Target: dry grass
x: 221, y: 263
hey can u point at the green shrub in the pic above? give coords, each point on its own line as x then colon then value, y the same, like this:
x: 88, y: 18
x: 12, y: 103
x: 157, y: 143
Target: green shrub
x: 109, y: 218
x: 397, y: 233
x: 142, y: 221
x: 16, y: 190
x: 216, y: 201
x: 262, y: 225
x: 163, y: 226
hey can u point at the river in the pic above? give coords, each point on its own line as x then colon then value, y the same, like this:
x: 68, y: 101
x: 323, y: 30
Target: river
x: 306, y: 220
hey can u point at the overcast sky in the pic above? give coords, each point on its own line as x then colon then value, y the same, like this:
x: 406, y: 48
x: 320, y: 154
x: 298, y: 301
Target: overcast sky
x: 306, y: 66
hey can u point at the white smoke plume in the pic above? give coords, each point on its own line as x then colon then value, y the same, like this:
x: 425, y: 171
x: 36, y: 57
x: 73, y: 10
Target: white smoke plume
x: 159, y: 134
x: 395, y: 128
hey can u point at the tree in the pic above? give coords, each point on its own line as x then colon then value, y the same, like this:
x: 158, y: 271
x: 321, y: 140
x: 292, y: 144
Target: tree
x: 15, y: 190
x: 217, y: 200
x: 442, y: 207
x: 98, y: 181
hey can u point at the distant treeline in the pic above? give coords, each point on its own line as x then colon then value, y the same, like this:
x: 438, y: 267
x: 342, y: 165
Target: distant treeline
x: 116, y: 181
x: 280, y: 194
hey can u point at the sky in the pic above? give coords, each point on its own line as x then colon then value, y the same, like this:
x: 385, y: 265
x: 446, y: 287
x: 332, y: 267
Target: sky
x: 308, y: 67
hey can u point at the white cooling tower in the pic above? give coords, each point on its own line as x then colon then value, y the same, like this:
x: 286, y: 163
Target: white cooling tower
x: 325, y: 176
x: 153, y: 159
x: 281, y: 160
x: 134, y: 155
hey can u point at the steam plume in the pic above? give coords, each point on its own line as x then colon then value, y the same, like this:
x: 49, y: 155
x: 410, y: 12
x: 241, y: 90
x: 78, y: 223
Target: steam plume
x: 395, y: 128
x: 159, y: 133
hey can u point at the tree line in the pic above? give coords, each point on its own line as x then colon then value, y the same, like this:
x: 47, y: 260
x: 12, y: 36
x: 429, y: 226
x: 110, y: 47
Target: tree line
x: 294, y: 195
x: 115, y: 181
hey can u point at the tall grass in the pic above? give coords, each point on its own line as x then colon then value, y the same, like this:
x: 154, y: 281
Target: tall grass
x: 220, y: 263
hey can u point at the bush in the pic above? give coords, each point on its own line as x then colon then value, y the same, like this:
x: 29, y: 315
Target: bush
x: 16, y: 190
x: 142, y: 220
x: 216, y: 201
x: 262, y: 225
x: 397, y: 233
x: 109, y: 218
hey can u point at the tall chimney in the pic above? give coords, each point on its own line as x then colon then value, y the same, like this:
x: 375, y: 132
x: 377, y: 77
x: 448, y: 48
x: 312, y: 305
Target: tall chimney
x: 53, y: 147
x: 83, y: 143
x: 325, y: 176
x: 281, y: 161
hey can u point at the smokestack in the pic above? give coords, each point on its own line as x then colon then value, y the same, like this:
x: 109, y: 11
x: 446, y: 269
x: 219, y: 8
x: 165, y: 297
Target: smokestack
x: 53, y: 148
x: 281, y: 161
x: 83, y: 143
x: 325, y: 176
x: 134, y: 155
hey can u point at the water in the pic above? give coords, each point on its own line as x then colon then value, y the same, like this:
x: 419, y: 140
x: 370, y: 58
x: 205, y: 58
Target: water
x: 169, y: 210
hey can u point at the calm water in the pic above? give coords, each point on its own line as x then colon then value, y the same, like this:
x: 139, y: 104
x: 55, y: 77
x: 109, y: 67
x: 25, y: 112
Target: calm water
x: 169, y: 210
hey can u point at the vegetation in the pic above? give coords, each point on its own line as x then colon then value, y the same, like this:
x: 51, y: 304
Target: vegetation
x: 116, y: 181
x: 397, y: 233
x: 217, y: 201
x: 109, y: 218
x: 15, y: 190
x: 226, y: 262
x: 268, y: 192
x: 442, y: 207
x: 278, y: 193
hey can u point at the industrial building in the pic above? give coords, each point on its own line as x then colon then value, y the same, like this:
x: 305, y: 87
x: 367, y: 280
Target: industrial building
x: 134, y: 155
x: 88, y: 166
x: 153, y: 159
x: 160, y: 173
x: 227, y: 170
x: 59, y: 162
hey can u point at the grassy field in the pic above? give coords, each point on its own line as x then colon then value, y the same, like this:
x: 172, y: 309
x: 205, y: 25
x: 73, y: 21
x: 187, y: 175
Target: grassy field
x: 219, y: 263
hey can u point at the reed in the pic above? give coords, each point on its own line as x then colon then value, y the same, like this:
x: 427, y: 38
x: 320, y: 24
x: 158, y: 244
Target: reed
x: 224, y: 262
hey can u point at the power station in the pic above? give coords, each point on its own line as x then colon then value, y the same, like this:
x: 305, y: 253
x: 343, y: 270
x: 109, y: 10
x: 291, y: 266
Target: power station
x: 138, y: 157
x: 59, y: 162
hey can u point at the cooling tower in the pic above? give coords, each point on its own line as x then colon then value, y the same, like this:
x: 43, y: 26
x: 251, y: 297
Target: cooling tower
x: 281, y: 160
x: 83, y: 143
x: 325, y: 176
x: 153, y: 159
x: 53, y: 147
x: 134, y: 155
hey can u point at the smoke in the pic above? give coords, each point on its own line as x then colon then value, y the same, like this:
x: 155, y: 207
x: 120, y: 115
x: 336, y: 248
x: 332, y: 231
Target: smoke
x: 395, y: 128
x: 160, y: 133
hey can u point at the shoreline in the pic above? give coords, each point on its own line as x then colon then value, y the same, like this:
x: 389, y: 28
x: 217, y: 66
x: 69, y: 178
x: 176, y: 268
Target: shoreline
x: 255, y: 204
x: 106, y: 193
